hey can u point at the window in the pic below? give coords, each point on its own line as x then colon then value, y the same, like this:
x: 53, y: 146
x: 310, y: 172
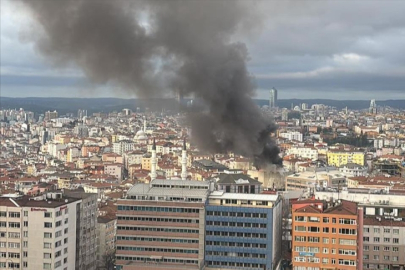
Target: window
x: 326, y: 229
x: 376, y: 257
x: 47, y: 266
x: 387, y: 240
x: 47, y: 245
x: 386, y: 258
x: 366, y: 248
x: 376, y: 239
x: 3, y: 214
x: 348, y: 242
x: 300, y: 219
x: 395, y: 249
x: 14, y: 224
x: 386, y: 248
x: 47, y: 235
x: 300, y: 228
x: 366, y: 239
x: 25, y: 223
x: 58, y: 263
x: 47, y: 255
x: 14, y: 255
x: 347, y: 231
x: 13, y: 245
x: 347, y: 252
x: 58, y: 234
x: 325, y: 251
x: 366, y: 230
x: 395, y: 231
x: 395, y: 240
x: 376, y: 248
x: 47, y: 214
x: 376, y: 230
x: 14, y: 235
x: 48, y: 225
x: 325, y: 220
x: 386, y: 230
x: 58, y: 223
x: 313, y: 229
x: 325, y: 240
x: 13, y: 214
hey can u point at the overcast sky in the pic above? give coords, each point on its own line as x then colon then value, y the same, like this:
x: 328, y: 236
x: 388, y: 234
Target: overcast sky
x: 306, y: 49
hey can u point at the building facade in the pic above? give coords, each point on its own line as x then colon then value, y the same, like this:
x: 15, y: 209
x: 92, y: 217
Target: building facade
x: 243, y: 231
x: 38, y: 232
x: 327, y: 236
x: 161, y: 225
x: 339, y: 158
x: 106, y: 231
x: 86, y: 236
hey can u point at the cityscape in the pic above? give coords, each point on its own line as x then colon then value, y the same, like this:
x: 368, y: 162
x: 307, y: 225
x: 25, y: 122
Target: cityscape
x: 130, y: 190
x: 202, y: 135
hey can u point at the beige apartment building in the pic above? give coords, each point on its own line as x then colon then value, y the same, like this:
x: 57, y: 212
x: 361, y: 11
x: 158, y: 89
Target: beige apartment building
x: 38, y: 232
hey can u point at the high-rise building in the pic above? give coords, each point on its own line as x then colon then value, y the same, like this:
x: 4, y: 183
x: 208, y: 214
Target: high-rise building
x: 284, y: 114
x: 39, y: 232
x: 161, y: 225
x: 51, y: 115
x: 86, y: 234
x: 106, y: 231
x: 327, y: 235
x: 273, y: 98
x: 243, y: 231
x: 373, y: 107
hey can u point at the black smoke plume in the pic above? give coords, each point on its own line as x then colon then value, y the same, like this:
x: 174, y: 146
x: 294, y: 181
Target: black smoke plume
x: 158, y: 47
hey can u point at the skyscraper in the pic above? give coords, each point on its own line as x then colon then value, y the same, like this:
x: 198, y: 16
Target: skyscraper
x: 273, y: 98
x: 373, y: 107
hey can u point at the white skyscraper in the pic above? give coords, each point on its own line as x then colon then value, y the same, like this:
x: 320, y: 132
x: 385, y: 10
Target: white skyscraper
x: 273, y: 98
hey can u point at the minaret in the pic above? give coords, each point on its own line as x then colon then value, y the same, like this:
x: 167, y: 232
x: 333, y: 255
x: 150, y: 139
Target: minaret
x: 184, y: 162
x: 153, y: 162
x: 144, y: 125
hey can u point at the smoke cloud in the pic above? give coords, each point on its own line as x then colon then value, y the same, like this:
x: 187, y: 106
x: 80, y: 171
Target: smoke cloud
x: 159, y: 47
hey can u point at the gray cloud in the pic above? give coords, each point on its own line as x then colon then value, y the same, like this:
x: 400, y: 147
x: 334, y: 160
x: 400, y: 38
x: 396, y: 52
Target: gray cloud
x: 299, y: 37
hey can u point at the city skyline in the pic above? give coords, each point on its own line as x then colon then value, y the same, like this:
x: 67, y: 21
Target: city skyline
x: 346, y: 55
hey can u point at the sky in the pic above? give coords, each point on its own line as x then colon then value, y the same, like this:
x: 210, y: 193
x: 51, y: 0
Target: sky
x: 305, y: 49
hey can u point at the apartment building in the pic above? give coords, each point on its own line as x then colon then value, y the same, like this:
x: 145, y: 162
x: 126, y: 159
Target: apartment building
x: 106, y: 231
x: 327, y: 235
x: 161, y: 225
x: 338, y: 158
x: 38, y: 232
x: 303, y: 152
x: 243, y: 231
x: 384, y: 243
x: 86, y: 235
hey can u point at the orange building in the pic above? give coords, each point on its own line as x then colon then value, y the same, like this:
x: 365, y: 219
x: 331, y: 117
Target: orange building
x: 327, y: 235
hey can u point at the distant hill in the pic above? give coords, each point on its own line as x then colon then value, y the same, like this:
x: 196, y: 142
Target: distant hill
x: 71, y: 105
